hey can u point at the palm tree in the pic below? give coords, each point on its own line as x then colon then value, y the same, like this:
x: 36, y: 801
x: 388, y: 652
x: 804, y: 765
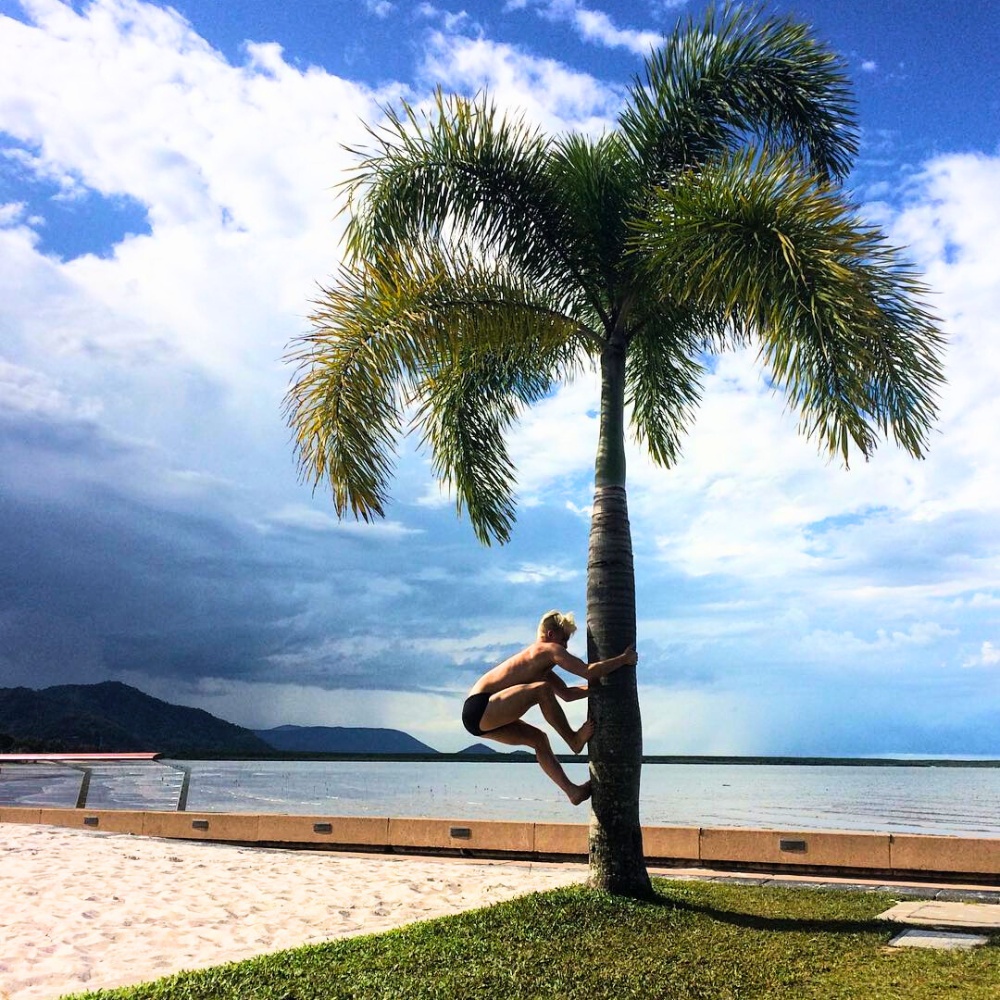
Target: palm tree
x: 487, y: 262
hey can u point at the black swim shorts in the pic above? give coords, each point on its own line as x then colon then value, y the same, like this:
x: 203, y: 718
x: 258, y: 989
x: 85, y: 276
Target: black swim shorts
x: 472, y: 712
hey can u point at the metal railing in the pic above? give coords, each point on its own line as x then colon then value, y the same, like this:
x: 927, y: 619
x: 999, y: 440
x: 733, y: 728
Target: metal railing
x: 109, y: 767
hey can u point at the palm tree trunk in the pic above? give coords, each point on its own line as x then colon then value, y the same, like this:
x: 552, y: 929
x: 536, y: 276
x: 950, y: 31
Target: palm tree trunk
x: 617, y: 863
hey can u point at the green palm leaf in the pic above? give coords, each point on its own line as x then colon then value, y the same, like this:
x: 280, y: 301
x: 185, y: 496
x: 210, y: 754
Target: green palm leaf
x: 461, y: 173
x: 663, y: 379
x: 442, y: 346
x: 836, y: 310
x: 739, y: 74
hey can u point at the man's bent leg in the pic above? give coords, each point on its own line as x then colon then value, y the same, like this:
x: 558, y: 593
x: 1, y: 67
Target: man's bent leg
x: 576, y: 739
x: 521, y: 734
x: 510, y: 704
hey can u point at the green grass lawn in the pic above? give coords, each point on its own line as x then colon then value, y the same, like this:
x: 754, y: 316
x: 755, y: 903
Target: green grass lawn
x: 710, y: 941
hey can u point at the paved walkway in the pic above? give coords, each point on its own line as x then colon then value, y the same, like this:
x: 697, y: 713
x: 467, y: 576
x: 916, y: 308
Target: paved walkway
x: 953, y: 916
x: 943, y: 925
x: 938, y: 916
x: 945, y: 892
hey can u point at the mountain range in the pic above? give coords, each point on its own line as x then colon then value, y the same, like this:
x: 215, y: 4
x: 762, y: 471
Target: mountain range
x: 341, y: 739
x: 112, y: 717
x: 116, y: 718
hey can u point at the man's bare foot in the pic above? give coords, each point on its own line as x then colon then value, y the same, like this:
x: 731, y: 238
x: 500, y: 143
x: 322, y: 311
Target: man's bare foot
x: 580, y: 793
x: 581, y: 737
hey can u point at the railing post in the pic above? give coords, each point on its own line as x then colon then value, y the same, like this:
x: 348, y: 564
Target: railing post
x: 182, y: 799
x: 81, y: 799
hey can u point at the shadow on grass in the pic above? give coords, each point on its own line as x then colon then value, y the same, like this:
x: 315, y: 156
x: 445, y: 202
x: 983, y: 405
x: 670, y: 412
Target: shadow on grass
x: 754, y: 921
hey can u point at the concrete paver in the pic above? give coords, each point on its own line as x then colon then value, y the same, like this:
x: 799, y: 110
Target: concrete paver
x: 922, y: 937
x: 943, y: 914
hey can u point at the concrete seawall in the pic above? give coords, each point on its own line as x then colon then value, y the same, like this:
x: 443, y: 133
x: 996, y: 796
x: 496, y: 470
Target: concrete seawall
x: 833, y: 852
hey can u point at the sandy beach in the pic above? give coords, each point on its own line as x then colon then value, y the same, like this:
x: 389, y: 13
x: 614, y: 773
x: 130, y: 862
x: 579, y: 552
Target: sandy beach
x: 84, y: 911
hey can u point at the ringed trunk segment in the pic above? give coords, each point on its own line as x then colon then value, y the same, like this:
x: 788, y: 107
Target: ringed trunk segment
x: 610, y: 465
x: 617, y: 863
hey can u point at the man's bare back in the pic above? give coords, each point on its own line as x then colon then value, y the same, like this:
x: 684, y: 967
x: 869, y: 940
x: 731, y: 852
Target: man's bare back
x: 502, y: 695
x: 533, y: 663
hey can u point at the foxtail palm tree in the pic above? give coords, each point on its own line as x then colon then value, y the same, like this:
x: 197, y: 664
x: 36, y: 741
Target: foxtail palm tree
x: 487, y: 262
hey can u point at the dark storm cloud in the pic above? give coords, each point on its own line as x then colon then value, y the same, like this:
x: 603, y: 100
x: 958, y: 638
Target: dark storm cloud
x: 96, y: 578
x: 104, y: 573
x: 134, y: 587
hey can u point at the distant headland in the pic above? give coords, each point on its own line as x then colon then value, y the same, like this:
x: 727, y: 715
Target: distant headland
x: 114, y: 717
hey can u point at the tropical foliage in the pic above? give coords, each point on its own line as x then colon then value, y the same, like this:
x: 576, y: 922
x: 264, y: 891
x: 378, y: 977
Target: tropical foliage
x: 487, y: 262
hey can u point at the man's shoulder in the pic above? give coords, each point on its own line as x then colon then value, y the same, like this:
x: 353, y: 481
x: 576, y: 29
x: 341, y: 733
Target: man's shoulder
x: 543, y: 653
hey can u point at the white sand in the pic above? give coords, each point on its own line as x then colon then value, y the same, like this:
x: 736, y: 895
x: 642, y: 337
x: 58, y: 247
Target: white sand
x: 81, y: 911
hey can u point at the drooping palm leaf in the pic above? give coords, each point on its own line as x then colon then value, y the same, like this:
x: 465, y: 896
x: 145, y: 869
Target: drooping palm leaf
x: 442, y: 346
x: 741, y: 73
x: 835, y: 309
x: 461, y: 172
x: 663, y: 378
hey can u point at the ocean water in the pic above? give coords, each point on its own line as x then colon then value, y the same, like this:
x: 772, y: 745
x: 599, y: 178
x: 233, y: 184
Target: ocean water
x: 963, y: 801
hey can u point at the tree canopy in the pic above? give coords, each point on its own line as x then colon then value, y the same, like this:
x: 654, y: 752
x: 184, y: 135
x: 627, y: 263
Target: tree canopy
x: 487, y: 262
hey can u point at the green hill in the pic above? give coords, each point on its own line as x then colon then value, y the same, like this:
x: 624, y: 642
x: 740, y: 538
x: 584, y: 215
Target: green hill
x: 114, y: 718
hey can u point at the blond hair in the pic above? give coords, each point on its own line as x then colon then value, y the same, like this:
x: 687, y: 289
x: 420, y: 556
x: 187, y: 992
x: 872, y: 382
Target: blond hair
x: 566, y: 623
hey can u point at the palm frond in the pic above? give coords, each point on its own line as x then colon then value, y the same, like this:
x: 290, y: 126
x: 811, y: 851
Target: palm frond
x: 837, y: 311
x: 390, y: 337
x: 468, y: 403
x: 601, y: 187
x: 462, y: 172
x: 346, y: 401
x: 663, y: 378
x: 741, y: 74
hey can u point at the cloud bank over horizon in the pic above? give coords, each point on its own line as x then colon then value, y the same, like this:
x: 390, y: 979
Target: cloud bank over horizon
x: 167, y: 209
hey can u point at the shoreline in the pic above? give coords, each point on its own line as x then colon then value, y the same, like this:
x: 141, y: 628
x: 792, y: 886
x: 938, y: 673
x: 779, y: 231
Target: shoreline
x: 522, y: 757
x: 923, y: 801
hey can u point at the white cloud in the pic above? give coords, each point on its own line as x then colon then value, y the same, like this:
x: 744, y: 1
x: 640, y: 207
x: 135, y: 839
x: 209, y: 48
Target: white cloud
x: 597, y: 27
x: 988, y: 656
x: 27, y: 391
x: 984, y: 601
x: 234, y: 165
x: 831, y: 645
x: 307, y: 518
x: 452, y: 22
x: 555, y: 444
x: 380, y: 8
x: 175, y: 337
x: 11, y: 212
x: 539, y: 573
x: 545, y: 91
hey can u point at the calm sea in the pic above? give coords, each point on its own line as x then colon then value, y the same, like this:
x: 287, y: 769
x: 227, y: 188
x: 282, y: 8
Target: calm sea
x: 925, y: 799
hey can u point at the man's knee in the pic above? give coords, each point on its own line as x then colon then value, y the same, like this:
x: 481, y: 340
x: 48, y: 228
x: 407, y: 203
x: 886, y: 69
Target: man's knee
x: 540, y: 743
x: 546, y: 691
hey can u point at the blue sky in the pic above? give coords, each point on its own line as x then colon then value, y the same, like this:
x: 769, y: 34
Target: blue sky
x: 167, y: 208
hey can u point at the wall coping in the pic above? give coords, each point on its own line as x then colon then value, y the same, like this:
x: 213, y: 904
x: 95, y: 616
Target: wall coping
x: 796, y: 850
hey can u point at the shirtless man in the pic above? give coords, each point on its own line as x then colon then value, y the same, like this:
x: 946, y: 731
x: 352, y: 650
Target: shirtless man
x: 502, y: 695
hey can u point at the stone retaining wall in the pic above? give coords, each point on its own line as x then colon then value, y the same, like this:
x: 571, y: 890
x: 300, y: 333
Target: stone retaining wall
x: 718, y: 847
